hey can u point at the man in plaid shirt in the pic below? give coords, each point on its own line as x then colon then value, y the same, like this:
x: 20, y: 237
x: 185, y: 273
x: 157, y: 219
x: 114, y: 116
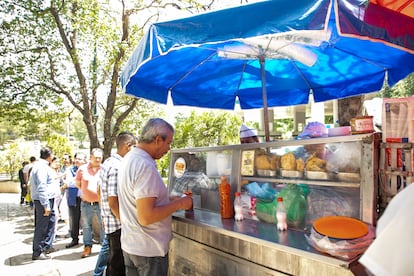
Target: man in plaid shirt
x: 109, y: 202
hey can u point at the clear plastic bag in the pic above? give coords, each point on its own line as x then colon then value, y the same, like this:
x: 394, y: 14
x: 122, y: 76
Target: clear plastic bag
x: 343, y: 249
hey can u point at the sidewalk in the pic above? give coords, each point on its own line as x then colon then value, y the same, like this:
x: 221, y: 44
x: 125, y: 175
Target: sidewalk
x: 16, y: 235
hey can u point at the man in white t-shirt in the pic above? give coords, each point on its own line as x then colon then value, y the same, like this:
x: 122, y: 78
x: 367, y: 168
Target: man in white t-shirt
x: 144, y: 204
x: 392, y: 251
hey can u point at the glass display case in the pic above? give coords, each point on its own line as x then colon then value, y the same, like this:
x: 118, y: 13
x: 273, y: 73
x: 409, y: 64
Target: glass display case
x: 337, y: 175
x: 331, y: 176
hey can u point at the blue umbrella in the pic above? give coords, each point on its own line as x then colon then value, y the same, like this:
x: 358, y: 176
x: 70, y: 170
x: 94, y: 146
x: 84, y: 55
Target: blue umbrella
x: 182, y: 58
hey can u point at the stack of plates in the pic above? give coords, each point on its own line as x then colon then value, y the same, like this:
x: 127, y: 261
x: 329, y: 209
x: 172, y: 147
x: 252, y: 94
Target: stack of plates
x: 339, y: 227
x: 340, y: 236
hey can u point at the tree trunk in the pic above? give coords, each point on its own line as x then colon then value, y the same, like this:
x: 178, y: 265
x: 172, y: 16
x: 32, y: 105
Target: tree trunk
x: 349, y: 108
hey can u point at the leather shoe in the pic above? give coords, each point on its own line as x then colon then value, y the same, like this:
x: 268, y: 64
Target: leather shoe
x: 86, y: 251
x: 50, y: 250
x: 71, y: 244
x: 42, y: 256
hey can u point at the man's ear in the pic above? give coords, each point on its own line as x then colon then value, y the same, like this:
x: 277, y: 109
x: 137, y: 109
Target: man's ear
x: 158, y: 139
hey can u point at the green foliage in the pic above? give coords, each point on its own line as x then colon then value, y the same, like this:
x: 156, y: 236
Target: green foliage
x: 140, y: 115
x: 212, y: 128
x: 59, y: 144
x: 11, y: 159
x: 403, y: 88
x: 284, y: 125
x: 56, y: 52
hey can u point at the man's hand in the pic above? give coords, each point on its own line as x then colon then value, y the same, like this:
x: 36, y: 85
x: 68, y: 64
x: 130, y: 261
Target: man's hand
x: 47, y: 212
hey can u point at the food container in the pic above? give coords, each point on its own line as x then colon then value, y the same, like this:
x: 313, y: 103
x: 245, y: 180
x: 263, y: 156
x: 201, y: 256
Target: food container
x: 223, y: 164
x: 362, y: 124
x: 339, y: 131
x: 266, y: 172
x: 318, y: 175
x: 348, y: 177
x: 291, y: 174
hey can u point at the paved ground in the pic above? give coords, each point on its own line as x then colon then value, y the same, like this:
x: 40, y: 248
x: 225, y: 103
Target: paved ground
x: 16, y: 235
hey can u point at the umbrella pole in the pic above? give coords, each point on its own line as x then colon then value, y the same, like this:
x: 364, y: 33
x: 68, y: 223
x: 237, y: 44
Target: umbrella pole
x: 264, y: 97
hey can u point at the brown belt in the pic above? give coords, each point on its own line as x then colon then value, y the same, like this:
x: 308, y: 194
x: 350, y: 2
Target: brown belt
x: 91, y: 203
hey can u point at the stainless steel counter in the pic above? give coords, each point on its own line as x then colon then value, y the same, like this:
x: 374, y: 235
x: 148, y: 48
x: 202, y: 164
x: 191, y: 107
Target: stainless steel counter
x: 247, y: 247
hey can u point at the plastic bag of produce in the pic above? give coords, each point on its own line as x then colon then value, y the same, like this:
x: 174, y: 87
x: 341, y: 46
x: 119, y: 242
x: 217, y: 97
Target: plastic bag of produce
x: 294, y: 198
x: 262, y: 192
x: 266, y: 210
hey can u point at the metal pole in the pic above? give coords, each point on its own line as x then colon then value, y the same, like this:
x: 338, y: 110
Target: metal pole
x: 264, y: 97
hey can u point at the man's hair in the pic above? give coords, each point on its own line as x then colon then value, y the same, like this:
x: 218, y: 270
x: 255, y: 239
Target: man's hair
x: 80, y: 155
x: 45, y: 152
x: 96, y: 150
x: 153, y: 128
x: 125, y: 137
x: 67, y: 155
x: 32, y: 159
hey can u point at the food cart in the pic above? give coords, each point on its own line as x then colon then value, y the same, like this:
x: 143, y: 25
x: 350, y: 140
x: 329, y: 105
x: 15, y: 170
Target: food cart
x: 205, y: 244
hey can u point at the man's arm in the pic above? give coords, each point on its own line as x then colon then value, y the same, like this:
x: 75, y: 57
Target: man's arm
x: 149, y: 213
x: 114, y: 206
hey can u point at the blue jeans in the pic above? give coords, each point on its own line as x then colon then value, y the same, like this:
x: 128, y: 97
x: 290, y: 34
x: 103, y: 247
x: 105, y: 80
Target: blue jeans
x: 102, y: 258
x: 87, y: 213
x: 44, y: 228
x: 145, y: 266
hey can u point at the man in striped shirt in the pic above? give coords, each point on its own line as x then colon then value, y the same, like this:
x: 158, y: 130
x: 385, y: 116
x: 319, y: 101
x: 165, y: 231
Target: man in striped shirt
x: 108, y: 185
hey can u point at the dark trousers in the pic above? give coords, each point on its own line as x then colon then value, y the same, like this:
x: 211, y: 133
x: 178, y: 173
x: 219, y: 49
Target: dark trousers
x: 74, y: 218
x: 145, y: 266
x: 44, y: 228
x: 23, y: 193
x: 116, y: 264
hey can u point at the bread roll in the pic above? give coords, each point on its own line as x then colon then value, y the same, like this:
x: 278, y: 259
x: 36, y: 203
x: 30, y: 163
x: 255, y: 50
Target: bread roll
x: 288, y: 162
x: 315, y: 164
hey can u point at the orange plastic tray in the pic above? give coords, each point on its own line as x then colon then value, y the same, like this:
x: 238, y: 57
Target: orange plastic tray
x: 340, y: 227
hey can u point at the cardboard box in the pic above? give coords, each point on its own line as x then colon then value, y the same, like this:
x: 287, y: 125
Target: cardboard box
x: 398, y: 118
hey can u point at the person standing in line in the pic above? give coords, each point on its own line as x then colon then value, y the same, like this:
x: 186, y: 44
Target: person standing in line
x: 110, y: 206
x: 26, y: 169
x: 26, y: 176
x: 63, y: 209
x: 74, y: 199
x: 23, y: 184
x: 144, y: 204
x: 43, y: 196
x: 87, y: 178
x: 56, y: 178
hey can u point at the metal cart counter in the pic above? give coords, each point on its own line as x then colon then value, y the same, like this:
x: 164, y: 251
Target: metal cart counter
x: 205, y: 244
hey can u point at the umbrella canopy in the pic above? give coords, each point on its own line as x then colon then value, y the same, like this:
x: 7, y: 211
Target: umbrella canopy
x: 389, y: 21
x: 183, y: 58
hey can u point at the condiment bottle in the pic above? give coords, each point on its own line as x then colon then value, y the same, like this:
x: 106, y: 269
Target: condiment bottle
x: 238, y: 208
x: 190, y: 194
x: 226, y: 208
x: 281, y: 215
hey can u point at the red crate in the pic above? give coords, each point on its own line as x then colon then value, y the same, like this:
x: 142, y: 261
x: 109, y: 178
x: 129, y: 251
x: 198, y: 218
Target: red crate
x: 396, y: 170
